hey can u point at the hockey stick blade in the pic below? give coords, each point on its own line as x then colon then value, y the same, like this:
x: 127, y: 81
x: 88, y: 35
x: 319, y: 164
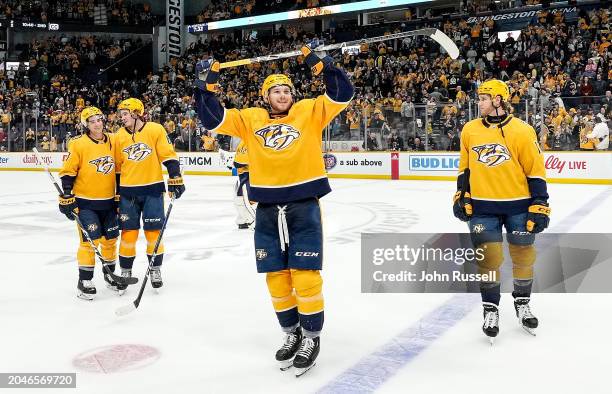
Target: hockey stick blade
x: 125, y: 310
x: 445, y: 42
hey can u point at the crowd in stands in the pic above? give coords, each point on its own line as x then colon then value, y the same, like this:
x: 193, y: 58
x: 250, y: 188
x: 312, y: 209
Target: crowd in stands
x: 115, y: 12
x: 559, y: 75
x: 408, y: 96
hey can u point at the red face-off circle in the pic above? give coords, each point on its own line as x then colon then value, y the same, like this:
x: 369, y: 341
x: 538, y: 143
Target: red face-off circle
x: 116, y: 358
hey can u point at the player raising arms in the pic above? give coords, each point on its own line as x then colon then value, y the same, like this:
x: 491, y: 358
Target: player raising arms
x: 502, y: 182
x: 141, y: 149
x: 287, y: 178
x: 88, y: 182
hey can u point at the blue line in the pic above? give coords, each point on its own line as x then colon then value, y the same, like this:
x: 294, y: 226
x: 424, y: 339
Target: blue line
x: 376, y: 368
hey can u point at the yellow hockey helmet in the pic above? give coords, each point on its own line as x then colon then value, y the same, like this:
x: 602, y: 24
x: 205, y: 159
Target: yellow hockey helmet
x: 133, y: 105
x: 275, y: 80
x: 88, y: 112
x: 494, y: 88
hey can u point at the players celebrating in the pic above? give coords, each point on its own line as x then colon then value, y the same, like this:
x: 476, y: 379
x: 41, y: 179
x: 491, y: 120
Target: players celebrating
x: 88, y: 182
x: 141, y: 149
x: 502, y: 182
x: 287, y: 178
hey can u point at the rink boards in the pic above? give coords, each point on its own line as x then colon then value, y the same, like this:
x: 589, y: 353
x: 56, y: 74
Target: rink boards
x: 561, y: 167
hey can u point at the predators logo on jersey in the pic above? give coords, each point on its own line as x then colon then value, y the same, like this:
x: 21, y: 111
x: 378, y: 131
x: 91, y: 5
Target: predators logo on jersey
x: 103, y: 164
x: 492, y: 154
x: 278, y: 136
x: 138, y: 151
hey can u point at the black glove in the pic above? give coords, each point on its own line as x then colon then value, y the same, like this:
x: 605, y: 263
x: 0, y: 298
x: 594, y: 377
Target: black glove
x: 176, y: 186
x: 538, y: 216
x: 207, y: 75
x: 462, y: 206
x: 313, y: 61
x: 68, y: 205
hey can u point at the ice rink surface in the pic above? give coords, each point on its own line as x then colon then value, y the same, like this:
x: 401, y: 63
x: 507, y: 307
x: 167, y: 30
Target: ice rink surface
x: 212, y: 328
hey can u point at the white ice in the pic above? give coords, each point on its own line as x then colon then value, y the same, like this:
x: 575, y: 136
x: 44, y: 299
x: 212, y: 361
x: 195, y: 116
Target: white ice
x: 213, y: 322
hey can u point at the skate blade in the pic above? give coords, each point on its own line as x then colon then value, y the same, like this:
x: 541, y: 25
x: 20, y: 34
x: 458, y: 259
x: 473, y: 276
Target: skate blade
x: 120, y: 292
x: 285, y: 365
x: 491, y: 341
x: 86, y: 297
x: 530, y: 331
x: 301, y: 371
x: 111, y: 287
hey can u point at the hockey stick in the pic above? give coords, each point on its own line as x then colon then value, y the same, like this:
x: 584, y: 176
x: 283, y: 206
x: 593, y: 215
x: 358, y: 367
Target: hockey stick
x: 124, y: 310
x: 445, y: 42
x: 105, y: 268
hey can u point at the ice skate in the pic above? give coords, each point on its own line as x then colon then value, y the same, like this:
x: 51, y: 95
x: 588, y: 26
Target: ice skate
x: 121, y: 288
x: 86, y: 290
x: 491, y: 321
x: 526, y: 319
x: 286, y: 353
x: 306, y: 355
x: 156, y: 278
x: 110, y: 283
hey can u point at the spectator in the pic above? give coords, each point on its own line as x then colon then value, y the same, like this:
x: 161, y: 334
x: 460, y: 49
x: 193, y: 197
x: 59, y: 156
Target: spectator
x: 601, y: 134
x: 454, y: 143
x: 418, y: 145
x: 371, y: 143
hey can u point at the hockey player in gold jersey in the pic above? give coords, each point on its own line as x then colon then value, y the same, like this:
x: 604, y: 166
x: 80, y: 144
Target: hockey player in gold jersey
x: 142, y: 147
x: 88, y: 182
x: 502, y: 181
x: 287, y: 178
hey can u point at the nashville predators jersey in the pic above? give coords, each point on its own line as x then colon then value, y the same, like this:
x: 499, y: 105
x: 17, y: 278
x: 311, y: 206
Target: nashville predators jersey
x: 138, y: 158
x: 241, y: 159
x: 89, y: 172
x: 284, y: 154
x: 506, y: 165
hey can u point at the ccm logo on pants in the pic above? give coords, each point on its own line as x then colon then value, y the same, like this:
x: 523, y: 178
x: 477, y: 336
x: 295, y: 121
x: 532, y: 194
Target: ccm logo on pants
x: 307, y: 254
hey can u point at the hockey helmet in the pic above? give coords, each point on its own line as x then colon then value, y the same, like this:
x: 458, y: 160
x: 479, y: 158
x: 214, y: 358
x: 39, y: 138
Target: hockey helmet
x: 275, y: 80
x: 88, y: 112
x: 133, y: 105
x: 494, y: 88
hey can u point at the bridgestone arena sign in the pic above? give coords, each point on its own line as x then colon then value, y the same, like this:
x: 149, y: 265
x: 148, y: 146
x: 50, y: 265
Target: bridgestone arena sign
x: 174, y: 27
x: 517, y: 15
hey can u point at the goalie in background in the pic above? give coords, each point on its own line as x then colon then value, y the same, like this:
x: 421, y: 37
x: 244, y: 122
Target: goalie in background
x: 245, y: 209
x: 88, y: 182
x: 287, y: 178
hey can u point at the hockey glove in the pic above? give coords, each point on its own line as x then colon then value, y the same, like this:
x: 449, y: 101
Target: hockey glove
x: 313, y: 61
x: 176, y: 186
x: 462, y: 206
x: 68, y: 205
x: 208, y: 75
x: 538, y: 216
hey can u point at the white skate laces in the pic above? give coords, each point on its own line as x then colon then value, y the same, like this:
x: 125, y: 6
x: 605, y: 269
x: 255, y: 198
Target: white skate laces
x: 523, y: 309
x: 306, y: 347
x: 290, y: 340
x: 87, y: 284
x: 155, y: 275
x: 491, y: 318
